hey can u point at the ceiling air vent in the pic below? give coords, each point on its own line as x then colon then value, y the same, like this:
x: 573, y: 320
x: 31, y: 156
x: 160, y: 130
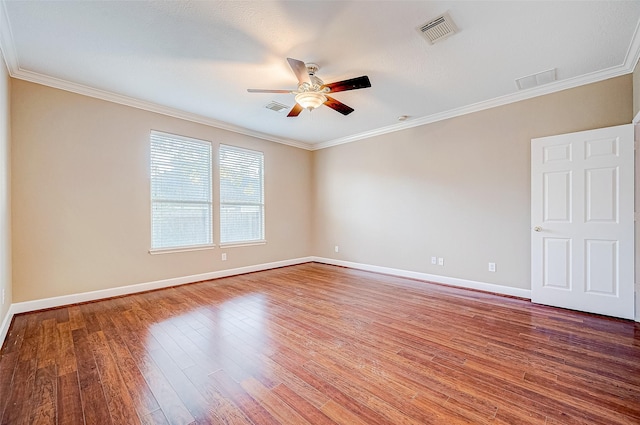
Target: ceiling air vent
x: 439, y: 28
x: 275, y: 106
x: 538, y: 79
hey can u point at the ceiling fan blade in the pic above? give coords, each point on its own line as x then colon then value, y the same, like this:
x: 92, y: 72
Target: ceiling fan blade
x: 338, y: 106
x: 300, y: 69
x: 267, y: 91
x: 295, y: 111
x: 352, y: 84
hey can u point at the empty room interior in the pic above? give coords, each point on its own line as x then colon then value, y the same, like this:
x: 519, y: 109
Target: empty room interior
x: 319, y: 212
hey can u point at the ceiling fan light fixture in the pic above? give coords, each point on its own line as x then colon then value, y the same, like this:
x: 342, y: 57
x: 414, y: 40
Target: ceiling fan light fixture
x: 312, y: 92
x: 310, y: 100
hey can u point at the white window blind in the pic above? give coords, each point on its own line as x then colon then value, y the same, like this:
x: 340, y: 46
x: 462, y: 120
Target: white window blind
x: 241, y: 195
x: 181, y: 207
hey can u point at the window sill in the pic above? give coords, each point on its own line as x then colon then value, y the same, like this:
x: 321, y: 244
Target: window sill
x: 240, y: 244
x: 181, y: 249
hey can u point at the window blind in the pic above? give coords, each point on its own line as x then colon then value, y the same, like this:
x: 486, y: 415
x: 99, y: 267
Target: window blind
x: 241, y: 195
x: 181, y: 206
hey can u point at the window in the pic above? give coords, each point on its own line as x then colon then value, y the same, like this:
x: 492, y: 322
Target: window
x: 181, y: 208
x: 241, y: 195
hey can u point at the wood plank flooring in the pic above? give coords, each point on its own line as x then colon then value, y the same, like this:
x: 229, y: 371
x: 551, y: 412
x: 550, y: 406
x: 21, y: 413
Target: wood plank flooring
x: 318, y: 344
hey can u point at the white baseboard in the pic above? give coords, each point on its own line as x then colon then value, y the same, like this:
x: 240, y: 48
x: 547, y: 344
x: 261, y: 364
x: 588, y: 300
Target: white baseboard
x: 6, y: 322
x: 26, y: 306
x: 451, y: 281
x: 637, y: 297
x: 34, y: 305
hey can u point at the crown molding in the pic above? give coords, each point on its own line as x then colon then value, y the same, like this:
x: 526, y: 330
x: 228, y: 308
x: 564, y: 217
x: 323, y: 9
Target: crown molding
x: 633, y: 52
x: 61, y: 84
x: 481, y: 106
x: 57, y: 83
x: 6, y: 40
x: 631, y: 59
x: 8, y: 51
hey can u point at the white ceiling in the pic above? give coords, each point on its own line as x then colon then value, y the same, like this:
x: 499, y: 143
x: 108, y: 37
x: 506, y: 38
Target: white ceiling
x: 196, y: 59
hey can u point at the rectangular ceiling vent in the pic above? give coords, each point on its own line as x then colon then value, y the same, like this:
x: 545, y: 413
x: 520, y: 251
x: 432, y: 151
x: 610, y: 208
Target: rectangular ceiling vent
x: 439, y: 28
x: 533, y: 80
x: 275, y: 106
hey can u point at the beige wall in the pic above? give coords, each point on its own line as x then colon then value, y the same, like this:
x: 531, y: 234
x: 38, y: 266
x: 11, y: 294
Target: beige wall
x: 80, y: 196
x: 5, y: 192
x: 457, y: 189
x: 636, y: 114
x: 637, y: 209
x: 636, y: 90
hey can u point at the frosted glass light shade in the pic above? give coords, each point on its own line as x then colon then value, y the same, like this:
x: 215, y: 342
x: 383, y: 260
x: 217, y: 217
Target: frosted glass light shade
x: 310, y: 100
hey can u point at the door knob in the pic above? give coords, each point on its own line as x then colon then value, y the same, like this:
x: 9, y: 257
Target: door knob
x: 537, y: 229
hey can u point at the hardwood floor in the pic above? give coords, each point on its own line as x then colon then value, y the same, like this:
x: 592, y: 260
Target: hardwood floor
x: 318, y: 344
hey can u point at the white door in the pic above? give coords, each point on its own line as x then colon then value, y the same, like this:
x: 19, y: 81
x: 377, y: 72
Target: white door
x: 582, y: 241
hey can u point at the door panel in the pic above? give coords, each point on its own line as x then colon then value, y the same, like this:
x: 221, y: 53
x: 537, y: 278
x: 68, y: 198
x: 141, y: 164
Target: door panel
x: 602, y: 260
x: 557, y: 263
x: 557, y: 197
x: 602, y: 194
x: 582, y: 246
x: 603, y: 147
x: 560, y: 152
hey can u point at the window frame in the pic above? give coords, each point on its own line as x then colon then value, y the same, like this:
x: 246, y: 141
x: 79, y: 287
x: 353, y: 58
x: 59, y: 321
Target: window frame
x: 210, y: 203
x: 248, y: 242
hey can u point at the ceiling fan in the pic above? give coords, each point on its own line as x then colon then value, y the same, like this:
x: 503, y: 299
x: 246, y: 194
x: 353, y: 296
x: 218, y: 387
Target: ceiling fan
x: 312, y: 91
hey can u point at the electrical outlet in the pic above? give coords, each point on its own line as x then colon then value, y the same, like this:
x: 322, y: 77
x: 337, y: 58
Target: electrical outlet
x: 434, y: 260
x: 224, y: 256
x: 337, y: 248
x: 441, y: 261
x: 492, y: 267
